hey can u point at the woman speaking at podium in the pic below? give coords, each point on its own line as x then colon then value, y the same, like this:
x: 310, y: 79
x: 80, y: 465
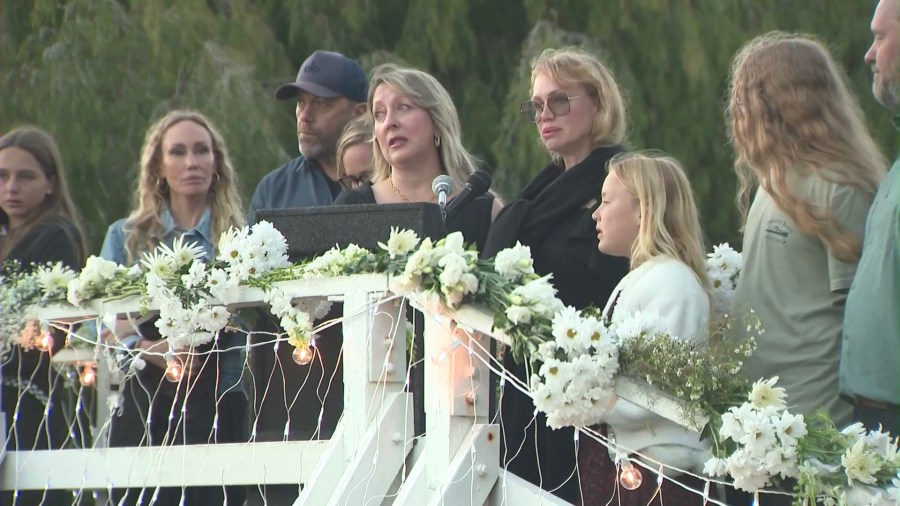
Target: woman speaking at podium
x: 418, y: 138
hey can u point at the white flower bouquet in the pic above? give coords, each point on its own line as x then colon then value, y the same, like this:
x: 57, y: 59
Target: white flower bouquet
x: 761, y: 443
x: 576, y: 380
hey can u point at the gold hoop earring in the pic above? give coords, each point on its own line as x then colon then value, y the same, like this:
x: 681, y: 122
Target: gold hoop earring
x: 162, y: 185
x: 437, y: 141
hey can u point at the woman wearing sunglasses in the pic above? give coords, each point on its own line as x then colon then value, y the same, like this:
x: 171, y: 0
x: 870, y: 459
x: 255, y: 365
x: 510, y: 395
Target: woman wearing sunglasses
x: 580, y: 117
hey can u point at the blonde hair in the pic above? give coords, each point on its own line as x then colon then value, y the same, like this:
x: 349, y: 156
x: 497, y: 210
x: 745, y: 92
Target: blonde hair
x: 40, y: 144
x: 572, y: 66
x: 357, y: 131
x: 426, y: 92
x: 790, y: 109
x: 143, y: 228
x: 669, y: 222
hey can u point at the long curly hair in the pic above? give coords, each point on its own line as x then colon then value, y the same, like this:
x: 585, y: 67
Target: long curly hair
x: 790, y: 109
x: 574, y: 66
x: 143, y: 227
x: 43, y: 148
x: 426, y: 92
x: 669, y: 223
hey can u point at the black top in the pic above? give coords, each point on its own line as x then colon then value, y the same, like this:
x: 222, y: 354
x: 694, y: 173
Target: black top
x: 473, y: 220
x: 550, y: 217
x: 52, y: 240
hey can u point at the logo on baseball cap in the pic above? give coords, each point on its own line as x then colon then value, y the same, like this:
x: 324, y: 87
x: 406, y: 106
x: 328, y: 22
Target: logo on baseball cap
x: 327, y: 74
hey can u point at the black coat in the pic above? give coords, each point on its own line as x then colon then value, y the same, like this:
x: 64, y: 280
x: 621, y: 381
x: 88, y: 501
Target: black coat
x: 552, y: 216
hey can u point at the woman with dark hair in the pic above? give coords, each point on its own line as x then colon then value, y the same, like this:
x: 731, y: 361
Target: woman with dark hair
x: 38, y: 225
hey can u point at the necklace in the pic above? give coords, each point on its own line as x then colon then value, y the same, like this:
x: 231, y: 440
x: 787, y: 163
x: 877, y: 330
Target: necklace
x: 397, y: 191
x: 404, y: 197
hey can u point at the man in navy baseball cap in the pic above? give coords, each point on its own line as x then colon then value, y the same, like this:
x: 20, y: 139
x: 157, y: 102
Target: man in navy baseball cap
x: 326, y: 74
x: 330, y: 90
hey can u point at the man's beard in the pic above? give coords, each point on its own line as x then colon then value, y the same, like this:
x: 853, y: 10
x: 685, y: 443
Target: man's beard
x: 887, y: 91
x: 317, y: 151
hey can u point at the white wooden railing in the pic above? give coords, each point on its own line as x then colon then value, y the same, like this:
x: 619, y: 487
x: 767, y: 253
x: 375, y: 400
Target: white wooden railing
x: 373, y: 457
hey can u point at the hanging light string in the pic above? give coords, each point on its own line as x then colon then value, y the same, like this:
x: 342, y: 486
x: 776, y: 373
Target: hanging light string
x: 473, y: 347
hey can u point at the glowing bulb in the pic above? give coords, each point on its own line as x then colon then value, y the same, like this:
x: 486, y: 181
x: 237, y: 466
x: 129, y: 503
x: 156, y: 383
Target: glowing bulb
x: 440, y: 356
x: 88, y: 375
x: 174, y: 371
x: 630, y: 477
x: 303, y: 355
x: 46, y: 341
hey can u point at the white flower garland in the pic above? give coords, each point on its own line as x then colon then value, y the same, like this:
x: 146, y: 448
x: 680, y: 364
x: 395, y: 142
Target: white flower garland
x: 580, y: 354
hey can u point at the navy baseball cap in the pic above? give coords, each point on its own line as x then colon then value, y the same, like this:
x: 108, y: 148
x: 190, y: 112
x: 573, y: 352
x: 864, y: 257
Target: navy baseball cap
x: 327, y: 74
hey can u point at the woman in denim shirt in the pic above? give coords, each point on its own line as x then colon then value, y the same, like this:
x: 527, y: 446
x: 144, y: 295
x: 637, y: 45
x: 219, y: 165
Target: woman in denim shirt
x: 186, y: 189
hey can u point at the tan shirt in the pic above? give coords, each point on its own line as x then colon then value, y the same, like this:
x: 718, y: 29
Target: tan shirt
x: 798, y: 289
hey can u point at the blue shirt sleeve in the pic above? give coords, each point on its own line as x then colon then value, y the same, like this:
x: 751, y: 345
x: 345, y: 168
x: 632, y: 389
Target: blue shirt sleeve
x: 114, y: 244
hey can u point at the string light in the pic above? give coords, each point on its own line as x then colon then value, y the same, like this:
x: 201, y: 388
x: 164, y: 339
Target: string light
x: 303, y: 355
x: 439, y: 356
x: 174, y: 370
x: 630, y: 477
x: 46, y: 342
x: 88, y: 375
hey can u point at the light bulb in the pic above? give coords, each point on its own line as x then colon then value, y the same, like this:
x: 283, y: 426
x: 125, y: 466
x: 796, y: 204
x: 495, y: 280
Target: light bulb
x: 88, y: 375
x: 303, y: 355
x: 46, y: 343
x: 630, y: 477
x: 174, y: 371
x: 440, y: 356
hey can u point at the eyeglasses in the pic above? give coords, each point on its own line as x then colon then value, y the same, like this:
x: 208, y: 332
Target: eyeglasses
x: 350, y: 182
x: 558, y: 103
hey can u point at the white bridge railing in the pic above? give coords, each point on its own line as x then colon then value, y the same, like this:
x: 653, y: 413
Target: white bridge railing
x: 373, y: 456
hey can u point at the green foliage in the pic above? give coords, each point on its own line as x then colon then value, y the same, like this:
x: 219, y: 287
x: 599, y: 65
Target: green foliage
x: 96, y: 73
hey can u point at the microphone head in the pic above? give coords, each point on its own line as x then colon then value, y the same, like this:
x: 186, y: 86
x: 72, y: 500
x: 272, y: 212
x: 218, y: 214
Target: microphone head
x: 479, y: 181
x: 442, y: 183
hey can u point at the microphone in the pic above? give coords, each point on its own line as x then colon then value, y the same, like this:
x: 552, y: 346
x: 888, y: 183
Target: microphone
x: 442, y: 186
x: 477, y: 184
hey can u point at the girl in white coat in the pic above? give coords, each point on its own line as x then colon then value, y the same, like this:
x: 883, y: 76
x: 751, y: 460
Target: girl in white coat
x: 648, y: 214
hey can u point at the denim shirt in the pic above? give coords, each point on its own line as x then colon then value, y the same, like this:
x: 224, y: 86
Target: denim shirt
x: 231, y: 363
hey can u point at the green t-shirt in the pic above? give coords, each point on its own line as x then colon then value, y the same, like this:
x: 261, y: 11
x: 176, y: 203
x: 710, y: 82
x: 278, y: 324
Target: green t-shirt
x: 797, y: 288
x: 870, y: 360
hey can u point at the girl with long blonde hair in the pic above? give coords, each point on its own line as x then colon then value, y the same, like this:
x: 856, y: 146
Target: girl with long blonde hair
x: 801, y: 143
x: 647, y: 214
